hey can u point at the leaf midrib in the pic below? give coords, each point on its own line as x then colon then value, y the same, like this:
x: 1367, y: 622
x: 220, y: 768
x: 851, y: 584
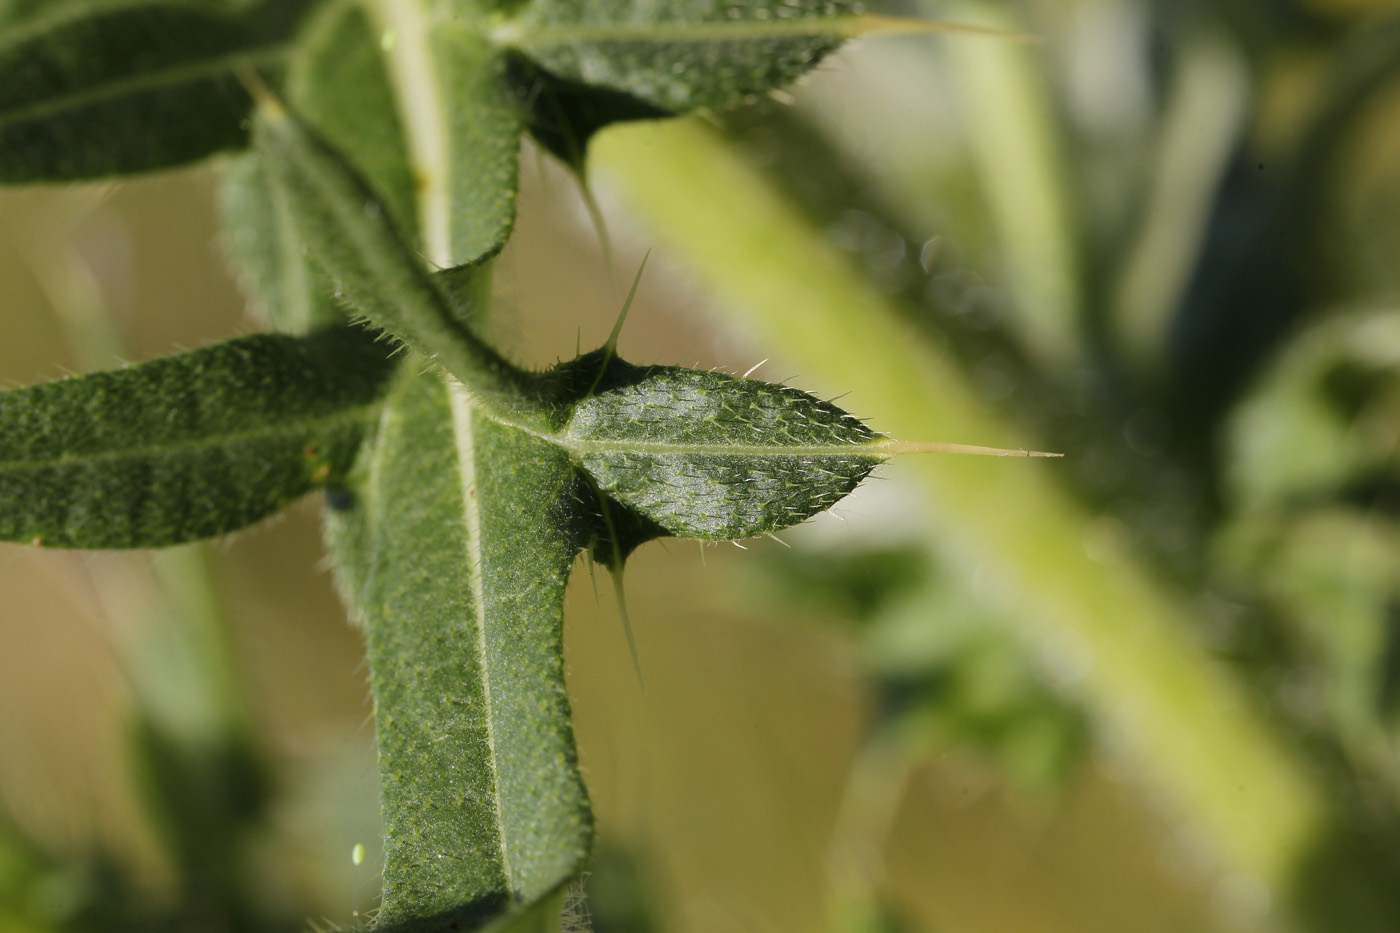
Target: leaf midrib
x: 173, y: 76
x: 208, y: 441
x: 878, y: 447
x: 463, y: 415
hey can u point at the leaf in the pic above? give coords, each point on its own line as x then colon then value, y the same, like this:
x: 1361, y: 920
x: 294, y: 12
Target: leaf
x: 337, y: 79
x: 444, y: 156
x: 339, y: 83
x: 681, y: 55
x: 463, y: 517
x: 455, y: 550
x: 484, y: 127
x: 264, y: 248
x: 350, y: 235
x: 706, y: 455
x: 88, y: 90
x: 1318, y: 424
x: 562, y: 116
x: 420, y: 106
x: 185, y: 447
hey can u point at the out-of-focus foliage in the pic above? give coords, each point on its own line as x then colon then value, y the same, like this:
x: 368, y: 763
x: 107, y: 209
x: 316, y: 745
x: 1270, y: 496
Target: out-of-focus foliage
x: 963, y: 683
x: 1312, y: 483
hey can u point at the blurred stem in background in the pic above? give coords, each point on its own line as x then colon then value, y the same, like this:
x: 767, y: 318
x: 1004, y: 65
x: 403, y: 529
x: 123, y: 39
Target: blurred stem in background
x: 1119, y: 639
x: 1007, y: 109
x: 1204, y: 112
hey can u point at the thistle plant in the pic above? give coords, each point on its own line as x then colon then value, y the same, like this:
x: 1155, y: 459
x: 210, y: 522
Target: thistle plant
x: 378, y: 187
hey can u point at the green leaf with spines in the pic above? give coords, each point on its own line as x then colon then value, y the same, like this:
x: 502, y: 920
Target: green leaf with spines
x: 454, y: 546
x: 563, y: 115
x: 95, y: 89
x: 185, y: 447
x: 581, y: 66
x: 677, y: 56
x: 487, y: 80
x: 462, y: 520
x: 710, y: 456
x: 455, y: 549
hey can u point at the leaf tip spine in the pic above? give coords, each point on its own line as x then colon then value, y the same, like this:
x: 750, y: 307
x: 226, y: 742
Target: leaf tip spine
x: 866, y: 24
x: 893, y: 448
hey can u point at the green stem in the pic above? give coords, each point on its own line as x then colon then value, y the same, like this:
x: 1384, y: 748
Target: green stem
x: 1017, y: 148
x: 1124, y: 640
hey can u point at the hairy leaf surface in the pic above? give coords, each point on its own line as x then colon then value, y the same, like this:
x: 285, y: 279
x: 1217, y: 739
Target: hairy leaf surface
x: 339, y: 82
x: 88, y: 90
x: 419, y: 105
x: 455, y: 548
x: 188, y: 446
x: 350, y: 235
x: 456, y: 533
x: 337, y: 79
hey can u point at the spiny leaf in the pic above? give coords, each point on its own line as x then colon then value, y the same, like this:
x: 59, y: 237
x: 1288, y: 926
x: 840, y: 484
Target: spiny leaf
x: 88, y: 90
x: 689, y: 453
x: 676, y: 56
x: 455, y: 550
x: 706, y: 455
x: 185, y: 447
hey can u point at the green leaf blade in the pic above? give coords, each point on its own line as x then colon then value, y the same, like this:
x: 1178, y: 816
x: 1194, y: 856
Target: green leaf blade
x: 185, y: 447
x: 706, y: 455
x: 338, y: 82
x: 456, y: 551
x: 117, y: 89
x: 679, y: 56
x: 484, y: 127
